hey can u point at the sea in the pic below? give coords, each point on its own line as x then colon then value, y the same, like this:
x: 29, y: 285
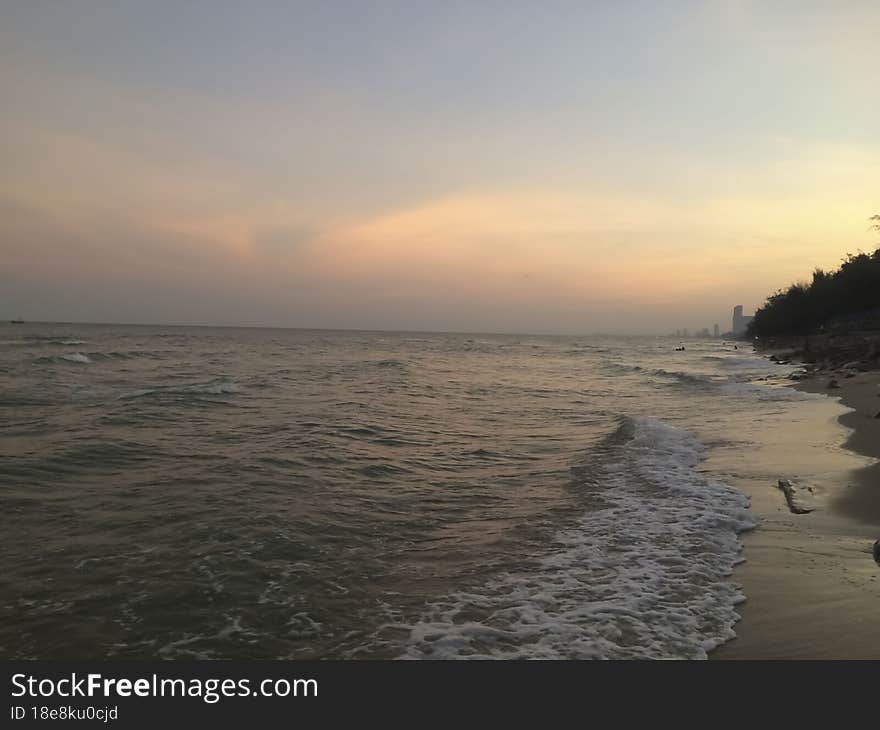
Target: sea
x: 215, y: 493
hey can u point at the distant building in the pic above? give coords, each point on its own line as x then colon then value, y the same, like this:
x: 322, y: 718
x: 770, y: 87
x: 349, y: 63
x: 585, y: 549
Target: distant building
x: 740, y: 321
x: 715, y: 331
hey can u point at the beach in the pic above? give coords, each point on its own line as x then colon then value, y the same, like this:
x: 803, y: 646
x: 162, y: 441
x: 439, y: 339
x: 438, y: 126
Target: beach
x: 811, y: 581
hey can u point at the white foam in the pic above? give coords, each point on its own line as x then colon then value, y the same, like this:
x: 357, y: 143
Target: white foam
x: 76, y: 357
x: 642, y: 576
x: 762, y: 392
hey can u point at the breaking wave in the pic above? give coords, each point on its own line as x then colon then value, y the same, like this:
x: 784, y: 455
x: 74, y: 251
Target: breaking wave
x: 642, y: 575
x: 93, y: 357
x: 75, y: 357
x: 684, y: 378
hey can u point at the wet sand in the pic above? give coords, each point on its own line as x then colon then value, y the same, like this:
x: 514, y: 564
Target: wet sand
x: 813, y: 587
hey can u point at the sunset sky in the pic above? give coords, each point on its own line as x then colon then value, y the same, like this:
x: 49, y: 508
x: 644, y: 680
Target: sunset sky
x: 483, y: 166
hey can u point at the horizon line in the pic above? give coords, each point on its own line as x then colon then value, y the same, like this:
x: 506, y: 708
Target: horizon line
x: 7, y: 322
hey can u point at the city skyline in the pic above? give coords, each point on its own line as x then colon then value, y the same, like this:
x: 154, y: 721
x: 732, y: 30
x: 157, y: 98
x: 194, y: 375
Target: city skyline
x: 739, y: 323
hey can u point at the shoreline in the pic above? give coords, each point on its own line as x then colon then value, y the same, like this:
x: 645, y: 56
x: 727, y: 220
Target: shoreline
x: 861, y: 394
x: 812, y: 587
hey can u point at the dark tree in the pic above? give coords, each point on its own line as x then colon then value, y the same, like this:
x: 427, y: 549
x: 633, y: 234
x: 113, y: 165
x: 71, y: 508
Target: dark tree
x: 852, y: 292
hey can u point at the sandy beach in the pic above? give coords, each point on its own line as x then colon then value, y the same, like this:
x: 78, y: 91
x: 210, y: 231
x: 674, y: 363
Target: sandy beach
x: 811, y: 582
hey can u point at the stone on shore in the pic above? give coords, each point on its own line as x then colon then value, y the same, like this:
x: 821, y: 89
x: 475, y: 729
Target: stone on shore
x: 799, y: 497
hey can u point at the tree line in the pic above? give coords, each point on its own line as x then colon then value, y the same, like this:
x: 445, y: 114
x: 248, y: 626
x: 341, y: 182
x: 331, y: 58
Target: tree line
x: 806, y: 307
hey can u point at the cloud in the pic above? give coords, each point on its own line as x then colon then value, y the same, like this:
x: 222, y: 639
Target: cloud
x: 164, y: 203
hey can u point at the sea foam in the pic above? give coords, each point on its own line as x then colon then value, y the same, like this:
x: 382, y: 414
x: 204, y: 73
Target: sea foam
x: 642, y: 575
x: 75, y: 357
x: 768, y: 392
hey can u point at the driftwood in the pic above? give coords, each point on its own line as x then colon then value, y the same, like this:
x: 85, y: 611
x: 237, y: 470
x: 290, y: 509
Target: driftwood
x: 799, y: 497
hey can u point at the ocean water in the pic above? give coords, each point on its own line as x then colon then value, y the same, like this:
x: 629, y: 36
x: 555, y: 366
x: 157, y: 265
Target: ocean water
x: 184, y: 492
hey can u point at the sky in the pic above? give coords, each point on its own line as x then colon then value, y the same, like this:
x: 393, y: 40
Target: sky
x: 540, y: 167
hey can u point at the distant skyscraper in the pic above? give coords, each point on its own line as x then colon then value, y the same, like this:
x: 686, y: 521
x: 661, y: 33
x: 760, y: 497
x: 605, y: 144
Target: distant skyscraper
x: 740, y: 322
x: 715, y: 331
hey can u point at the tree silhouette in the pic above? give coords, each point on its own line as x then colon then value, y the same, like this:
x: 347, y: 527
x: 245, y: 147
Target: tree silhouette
x: 852, y: 292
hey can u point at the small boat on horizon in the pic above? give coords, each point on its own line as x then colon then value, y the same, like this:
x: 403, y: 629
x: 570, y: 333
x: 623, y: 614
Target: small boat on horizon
x: 16, y: 321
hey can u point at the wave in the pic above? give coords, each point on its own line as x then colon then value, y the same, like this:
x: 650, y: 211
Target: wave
x: 127, y: 354
x: 642, y: 575
x: 685, y: 378
x: 75, y: 357
x: 578, y: 349
x: 220, y: 386
x: 778, y: 392
x: 740, y: 363
x: 30, y: 341
x: 91, y: 357
x: 618, y: 368
x: 391, y: 363
x: 679, y: 376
